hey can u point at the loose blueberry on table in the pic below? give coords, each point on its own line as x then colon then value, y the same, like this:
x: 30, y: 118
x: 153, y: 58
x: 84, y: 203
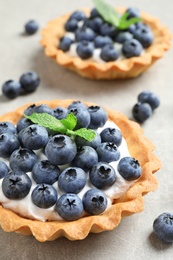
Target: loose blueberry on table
x: 31, y: 27
x: 65, y: 166
x: 163, y: 226
x: 27, y: 83
x: 147, y: 103
x: 98, y: 34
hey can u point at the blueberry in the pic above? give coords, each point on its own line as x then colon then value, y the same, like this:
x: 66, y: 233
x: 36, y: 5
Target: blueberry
x: 60, y: 149
x: 144, y: 35
x: 141, y: 112
x: 6, y: 126
x: 94, y: 13
x: 60, y: 112
x: 83, y: 142
x: 111, y: 134
x: 84, y: 34
x: 82, y: 115
x: 149, y: 97
x: 109, y: 53
x: 3, y: 169
x: 23, y: 160
x: 102, y: 175
x: 108, y: 30
x: 71, y: 25
x: 31, y: 27
x: 101, y: 41
x: 23, y: 123
x: 132, y: 28
x: 85, y: 49
x: 85, y: 158
x: 163, y: 226
x: 45, y: 172
x: 129, y: 168
x: 123, y: 36
x: 133, y: 12
x: 11, y: 89
x: 94, y: 23
x: 132, y: 48
x: 98, y: 117
x: 43, y: 109
x: 94, y: 202
x: 29, y: 110
x: 34, y: 137
x: 72, y: 180
x: 69, y: 206
x: 16, y: 185
x: 78, y: 15
x: 65, y: 43
x: 108, y: 152
x: 77, y: 104
x: 29, y: 81
x: 8, y: 143
x: 44, y: 196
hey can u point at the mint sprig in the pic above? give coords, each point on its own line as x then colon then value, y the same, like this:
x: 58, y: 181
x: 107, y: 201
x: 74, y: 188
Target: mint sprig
x: 110, y: 15
x: 63, y: 126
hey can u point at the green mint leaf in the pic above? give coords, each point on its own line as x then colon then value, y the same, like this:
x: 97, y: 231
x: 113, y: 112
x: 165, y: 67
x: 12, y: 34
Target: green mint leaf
x: 69, y: 122
x: 48, y: 121
x: 63, y: 126
x: 125, y: 23
x: 108, y: 13
x: 87, y: 134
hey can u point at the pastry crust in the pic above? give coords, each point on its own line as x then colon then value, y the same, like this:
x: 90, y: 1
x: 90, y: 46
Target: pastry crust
x: 125, y: 68
x: 132, y: 201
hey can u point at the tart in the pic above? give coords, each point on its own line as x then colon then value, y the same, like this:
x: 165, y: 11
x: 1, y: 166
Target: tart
x: 130, y: 202
x: 93, y: 68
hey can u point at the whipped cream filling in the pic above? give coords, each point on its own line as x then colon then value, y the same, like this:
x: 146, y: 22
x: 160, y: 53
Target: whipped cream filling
x: 96, y: 53
x: 26, y: 208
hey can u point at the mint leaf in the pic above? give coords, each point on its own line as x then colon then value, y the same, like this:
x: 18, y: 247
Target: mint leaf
x: 63, y: 126
x: 110, y: 15
x: 69, y: 122
x: 48, y: 121
x: 87, y: 134
x: 107, y: 12
x: 125, y: 23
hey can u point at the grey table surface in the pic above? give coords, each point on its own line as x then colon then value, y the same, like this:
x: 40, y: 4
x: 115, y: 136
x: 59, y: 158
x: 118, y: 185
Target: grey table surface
x: 133, y: 238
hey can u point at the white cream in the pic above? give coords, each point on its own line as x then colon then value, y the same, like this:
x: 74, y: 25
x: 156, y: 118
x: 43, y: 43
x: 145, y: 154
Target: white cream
x: 26, y: 208
x: 96, y: 53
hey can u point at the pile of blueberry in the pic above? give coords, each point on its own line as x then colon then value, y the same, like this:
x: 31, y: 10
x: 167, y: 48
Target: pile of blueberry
x: 91, y: 33
x: 69, y: 161
x: 143, y: 109
x: 27, y: 83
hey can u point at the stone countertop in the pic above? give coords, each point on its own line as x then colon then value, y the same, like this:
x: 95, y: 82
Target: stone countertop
x: 133, y: 238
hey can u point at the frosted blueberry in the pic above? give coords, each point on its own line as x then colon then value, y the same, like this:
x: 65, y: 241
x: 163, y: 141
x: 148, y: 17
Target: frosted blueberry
x: 129, y: 168
x: 44, y: 196
x: 69, y: 206
x: 72, y: 180
x: 16, y: 185
x: 94, y: 202
x: 23, y: 160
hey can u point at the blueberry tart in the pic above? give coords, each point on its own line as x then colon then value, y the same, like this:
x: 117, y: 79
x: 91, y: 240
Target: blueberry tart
x: 70, y: 175
x: 94, y: 46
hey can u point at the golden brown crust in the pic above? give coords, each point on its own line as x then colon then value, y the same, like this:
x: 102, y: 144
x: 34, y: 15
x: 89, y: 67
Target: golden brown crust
x: 126, y: 68
x: 130, y: 203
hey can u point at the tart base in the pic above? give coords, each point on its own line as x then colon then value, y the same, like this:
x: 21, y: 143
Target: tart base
x: 120, y: 69
x: 131, y: 202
